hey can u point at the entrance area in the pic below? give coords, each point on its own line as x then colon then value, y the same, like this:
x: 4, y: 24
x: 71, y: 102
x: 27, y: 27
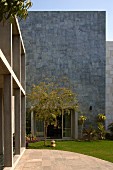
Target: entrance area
x: 67, y: 124
x: 62, y: 128
x: 55, y: 131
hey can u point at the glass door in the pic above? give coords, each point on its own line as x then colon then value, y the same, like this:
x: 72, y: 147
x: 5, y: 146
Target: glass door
x: 55, y: 131
x: 67, y: 124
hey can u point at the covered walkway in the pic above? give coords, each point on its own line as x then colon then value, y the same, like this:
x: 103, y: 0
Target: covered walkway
x: 12, y: 94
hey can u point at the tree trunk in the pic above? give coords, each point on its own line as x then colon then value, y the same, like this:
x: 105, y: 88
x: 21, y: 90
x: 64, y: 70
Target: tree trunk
x: 45, y: 132
x: 62, y: 113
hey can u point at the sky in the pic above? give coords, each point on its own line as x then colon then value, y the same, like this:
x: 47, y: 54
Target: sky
x: 79, y: 5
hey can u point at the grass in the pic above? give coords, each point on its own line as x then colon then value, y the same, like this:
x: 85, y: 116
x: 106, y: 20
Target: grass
x: 99, y: 149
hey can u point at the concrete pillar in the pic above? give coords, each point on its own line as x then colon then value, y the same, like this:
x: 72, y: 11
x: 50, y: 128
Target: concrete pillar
x: 17, y: 56
x: 17, y: 121
x: 13, y: 114
x: 7, y: 106
x: 76, y: 125
x: 23, y: 76
x: 6, y: 40
x: 23, y: 121
x: 35, y: 127
x: 1, y: 124
x: 32, y: 123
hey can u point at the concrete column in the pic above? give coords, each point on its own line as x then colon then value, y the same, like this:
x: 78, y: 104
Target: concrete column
x: 1, y: 124
x: 23, y: 121
x: 7, y: 106
x: 76, y: 125
x: 17, y: 56
x: 6, y: 40
x: 32, y: 123
x: 17, y: 121
x: 23, y: 76
x: 35, y: 127
x: 13, y: 114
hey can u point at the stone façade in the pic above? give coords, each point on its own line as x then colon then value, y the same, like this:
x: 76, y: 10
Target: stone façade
x: 68, y: 44
x: 109, y: 82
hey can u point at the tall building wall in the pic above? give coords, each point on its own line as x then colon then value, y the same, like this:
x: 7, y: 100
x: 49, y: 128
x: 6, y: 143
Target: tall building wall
x: 71, y: 45
x: 109, y: 82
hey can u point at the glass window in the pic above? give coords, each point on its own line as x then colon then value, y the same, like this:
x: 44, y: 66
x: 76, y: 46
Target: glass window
x: 67, y: 124
x: 39, y: 128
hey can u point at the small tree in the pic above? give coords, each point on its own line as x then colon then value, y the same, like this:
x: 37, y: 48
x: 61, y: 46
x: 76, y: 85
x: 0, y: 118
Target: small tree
x: 101, y: 125
x: 81, y: 122
x: 48, y: 101
x: 89, y: 133
x: 11, y: 8
x: 101, y: 131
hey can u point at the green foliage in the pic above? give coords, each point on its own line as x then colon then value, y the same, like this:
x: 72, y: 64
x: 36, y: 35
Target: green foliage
x: 101, y: 126
x: 110, y: 127
x: 82, y: 119
x: 101, y: 117
x: 101, y: 131
x: 30, y: 138
x: 89, y: 133
x: 81, y: 122
x: 48, y: 100
x: 11, y: 8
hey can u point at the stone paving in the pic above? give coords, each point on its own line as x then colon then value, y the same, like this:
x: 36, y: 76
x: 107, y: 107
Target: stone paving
x: 60, y: 160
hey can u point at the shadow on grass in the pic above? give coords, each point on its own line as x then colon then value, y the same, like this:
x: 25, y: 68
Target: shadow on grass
x: 39, y: 147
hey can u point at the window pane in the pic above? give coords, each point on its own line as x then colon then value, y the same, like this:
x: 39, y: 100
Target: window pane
x: 67, y: 125
x: 39, y: 128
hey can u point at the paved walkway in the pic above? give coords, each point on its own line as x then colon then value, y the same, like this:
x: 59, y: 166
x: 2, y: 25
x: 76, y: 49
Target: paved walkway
x: 60, y: 160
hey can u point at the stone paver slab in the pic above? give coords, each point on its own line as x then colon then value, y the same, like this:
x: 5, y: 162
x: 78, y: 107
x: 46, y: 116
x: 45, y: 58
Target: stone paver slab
x: 60, y: 160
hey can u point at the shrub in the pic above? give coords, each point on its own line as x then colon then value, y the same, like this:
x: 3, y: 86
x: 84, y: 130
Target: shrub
x: 110, y: 127
x: 109, y: 136
x: 89, y: 133
x: 82, y: 119
x: 81, y: 122
x: 101, y: 131
x: 101, y: 117
x: 31, y: 139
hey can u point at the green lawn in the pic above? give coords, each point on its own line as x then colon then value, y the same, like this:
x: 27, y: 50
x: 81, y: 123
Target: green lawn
x: 99, y: 149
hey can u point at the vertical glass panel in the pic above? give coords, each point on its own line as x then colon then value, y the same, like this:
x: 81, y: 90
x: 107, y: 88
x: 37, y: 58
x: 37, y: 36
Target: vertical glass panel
x: 39, y: 128
x: 55, y: 131
x: 67, y: 124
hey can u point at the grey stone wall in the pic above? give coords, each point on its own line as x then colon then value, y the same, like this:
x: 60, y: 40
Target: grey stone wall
x: 109, y: 82
x: 71, y: 45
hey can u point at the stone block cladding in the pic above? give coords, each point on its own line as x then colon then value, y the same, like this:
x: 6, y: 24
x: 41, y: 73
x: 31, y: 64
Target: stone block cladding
x: 109, y: 82
x: 68, y: 44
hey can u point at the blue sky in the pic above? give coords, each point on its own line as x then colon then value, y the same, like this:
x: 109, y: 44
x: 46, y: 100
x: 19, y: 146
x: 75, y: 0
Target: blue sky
x: 78, y: 5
